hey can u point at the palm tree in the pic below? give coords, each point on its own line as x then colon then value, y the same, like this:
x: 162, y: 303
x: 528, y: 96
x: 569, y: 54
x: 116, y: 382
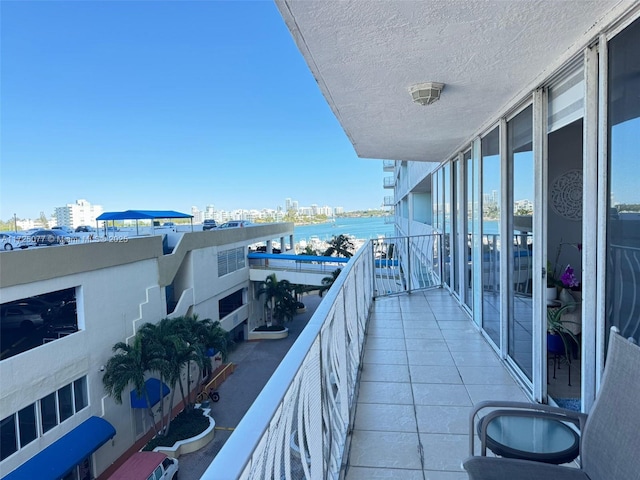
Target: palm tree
x: 128, y: 367
x: 309, y: 250
x: 341, y: 246
x: 201, y: 335
x: 327, y: 282
x: 278, y: 299
x: 171, y: 354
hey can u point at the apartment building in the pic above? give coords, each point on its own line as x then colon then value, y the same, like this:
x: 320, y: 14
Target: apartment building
x: 52, y: 398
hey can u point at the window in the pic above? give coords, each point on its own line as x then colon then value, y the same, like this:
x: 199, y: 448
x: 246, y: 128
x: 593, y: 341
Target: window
x: 9, y: 443
x: 231, y: 260
x: 48, y: 416
x: 230, y: 303
x: 623, y: 225
x: 27, y: 425
x: 65, y: 403
x: 21, y: 428
x: 80, y: 393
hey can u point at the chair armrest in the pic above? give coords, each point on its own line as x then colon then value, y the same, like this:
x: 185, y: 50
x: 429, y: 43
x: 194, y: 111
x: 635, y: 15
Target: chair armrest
x: 519, y: 409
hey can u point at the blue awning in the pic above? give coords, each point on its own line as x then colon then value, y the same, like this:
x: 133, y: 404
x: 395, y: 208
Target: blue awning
x: 60, y: 457
x: 152, y: 386
x: 142, y: 215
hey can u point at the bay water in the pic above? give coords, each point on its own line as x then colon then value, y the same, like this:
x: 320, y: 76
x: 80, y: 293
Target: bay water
x: 363, y: 228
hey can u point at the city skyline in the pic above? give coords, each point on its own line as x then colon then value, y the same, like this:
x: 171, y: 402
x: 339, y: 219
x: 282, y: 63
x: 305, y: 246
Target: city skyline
x: 188, y: 103
x: 83, y: 212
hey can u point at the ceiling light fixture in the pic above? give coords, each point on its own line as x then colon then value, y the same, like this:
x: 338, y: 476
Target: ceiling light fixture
x: 426, y: 93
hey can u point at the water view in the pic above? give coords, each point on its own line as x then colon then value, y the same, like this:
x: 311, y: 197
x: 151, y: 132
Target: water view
x: 363, y: 228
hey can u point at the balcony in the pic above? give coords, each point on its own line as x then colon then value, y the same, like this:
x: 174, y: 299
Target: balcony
x: 389, y: 182
x: 388, y: 202
x: 388, y: 165
x: 373, y: 389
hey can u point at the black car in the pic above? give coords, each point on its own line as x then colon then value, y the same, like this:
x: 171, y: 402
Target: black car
x: 209, y: 225
x: 47, y: 237
x: 85, y: 228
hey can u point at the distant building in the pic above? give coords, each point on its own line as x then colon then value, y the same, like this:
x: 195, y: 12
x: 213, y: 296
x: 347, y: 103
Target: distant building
x: 79, y: 213
x: 198, y: 216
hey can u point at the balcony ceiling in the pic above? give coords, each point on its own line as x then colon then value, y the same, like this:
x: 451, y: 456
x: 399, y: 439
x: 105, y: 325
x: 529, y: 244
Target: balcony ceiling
x: 365, y: 55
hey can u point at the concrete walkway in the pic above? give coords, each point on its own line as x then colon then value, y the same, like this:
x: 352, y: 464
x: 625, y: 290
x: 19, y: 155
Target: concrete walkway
x: 255, y: 363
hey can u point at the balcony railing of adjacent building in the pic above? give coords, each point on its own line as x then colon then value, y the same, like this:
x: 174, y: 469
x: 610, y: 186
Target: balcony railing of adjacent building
x: 298, y: 426
x: 388, y: 201
x: 388, y: 165
x: 389, y: 182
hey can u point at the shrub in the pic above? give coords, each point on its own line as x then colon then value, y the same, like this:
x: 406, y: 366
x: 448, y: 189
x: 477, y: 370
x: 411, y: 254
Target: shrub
x: 187, y: 424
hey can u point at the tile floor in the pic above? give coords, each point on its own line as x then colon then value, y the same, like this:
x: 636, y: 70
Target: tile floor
x: 425, y: 366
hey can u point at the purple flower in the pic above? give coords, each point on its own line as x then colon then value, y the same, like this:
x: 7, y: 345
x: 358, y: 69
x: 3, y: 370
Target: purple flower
x: 568, y: 279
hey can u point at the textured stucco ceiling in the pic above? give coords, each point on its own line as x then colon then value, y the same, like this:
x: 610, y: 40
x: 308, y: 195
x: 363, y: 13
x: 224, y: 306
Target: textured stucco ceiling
x: 366, y: 54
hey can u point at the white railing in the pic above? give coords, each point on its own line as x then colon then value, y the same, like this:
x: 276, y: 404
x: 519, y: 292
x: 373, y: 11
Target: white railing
x: 405, y: 264
x: 297, y: 427
x: 623, y: 287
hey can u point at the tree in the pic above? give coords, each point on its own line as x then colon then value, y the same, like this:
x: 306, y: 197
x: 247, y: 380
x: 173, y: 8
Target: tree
x: 43, y: 220
x: 309, y: 250
x: 128, y: 367
x: 327, y: 282
x: 202, y: 335
x: 170, y: 355
x: 166, y: 348
x: 279, y: 301
x: 341, y: 246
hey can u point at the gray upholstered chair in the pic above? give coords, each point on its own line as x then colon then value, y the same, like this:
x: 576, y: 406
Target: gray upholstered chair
x: 610, y: 434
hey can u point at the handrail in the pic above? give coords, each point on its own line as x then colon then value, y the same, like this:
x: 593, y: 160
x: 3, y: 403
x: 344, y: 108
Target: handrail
x: 263, y: 425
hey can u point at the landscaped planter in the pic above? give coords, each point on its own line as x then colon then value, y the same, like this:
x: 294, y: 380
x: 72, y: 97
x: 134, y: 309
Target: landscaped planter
x: 268, y: 335
x: 191, y: 444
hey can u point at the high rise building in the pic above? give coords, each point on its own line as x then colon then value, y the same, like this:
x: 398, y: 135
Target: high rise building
x: 79, y: 213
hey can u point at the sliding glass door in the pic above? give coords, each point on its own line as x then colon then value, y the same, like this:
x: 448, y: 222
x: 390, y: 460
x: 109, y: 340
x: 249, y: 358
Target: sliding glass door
x: 518, y: 247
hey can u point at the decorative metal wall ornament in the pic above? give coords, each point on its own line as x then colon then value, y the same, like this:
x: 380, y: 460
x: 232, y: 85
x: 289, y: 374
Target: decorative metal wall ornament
x: 566, y: 195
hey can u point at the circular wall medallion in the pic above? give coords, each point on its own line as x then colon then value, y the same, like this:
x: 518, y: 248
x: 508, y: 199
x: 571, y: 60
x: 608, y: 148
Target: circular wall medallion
x: 566, y: 195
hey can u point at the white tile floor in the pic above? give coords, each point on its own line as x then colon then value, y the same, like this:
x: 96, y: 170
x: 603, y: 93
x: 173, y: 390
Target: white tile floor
x: 425, y: 365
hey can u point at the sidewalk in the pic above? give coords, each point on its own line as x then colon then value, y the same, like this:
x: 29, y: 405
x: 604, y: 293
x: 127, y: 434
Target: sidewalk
x: 255, y: 363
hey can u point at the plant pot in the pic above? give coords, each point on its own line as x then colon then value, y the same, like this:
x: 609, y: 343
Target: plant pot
x: 555, y: 344
x: 566, y: 298
x: 552, y: 295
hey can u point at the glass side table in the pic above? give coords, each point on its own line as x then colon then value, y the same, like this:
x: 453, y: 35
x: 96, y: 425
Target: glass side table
x: 528, y: 437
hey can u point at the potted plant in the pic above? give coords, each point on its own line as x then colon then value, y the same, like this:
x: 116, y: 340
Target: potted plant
x: 558, y: 335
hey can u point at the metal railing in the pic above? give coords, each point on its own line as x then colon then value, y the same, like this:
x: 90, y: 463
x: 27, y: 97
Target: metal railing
x: 298, y: 426
x: 623, y: 286
x: 405, y: 264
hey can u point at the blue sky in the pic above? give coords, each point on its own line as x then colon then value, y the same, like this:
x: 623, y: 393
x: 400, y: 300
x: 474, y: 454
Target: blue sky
x: 164, y: 105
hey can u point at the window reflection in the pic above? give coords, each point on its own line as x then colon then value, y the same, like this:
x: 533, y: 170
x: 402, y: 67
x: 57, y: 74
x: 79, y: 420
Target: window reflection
x: 623, y: 228
x: 520, y: 160
x: 491, y: 235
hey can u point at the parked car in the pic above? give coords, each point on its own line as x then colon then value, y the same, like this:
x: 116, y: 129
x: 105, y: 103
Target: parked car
x: 209, y: 225
x: 35, y: 304
x: 62, y: 228
x: 235, y: 224
x: 14, y: 316
x: 52, y: 237
x: 85, y: 228
x: 47, y: 237
x: 11, y: 240
x: 147, y: 466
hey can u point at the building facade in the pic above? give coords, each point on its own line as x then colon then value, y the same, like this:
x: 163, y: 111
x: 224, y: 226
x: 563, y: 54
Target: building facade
x: 52, y: 390
x: 80, y: 213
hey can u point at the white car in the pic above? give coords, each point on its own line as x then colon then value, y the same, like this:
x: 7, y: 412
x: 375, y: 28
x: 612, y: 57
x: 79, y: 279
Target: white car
x: 235, y: 224
x: 62, y: 228
x: 13, y: 316
x: 10, y: 240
